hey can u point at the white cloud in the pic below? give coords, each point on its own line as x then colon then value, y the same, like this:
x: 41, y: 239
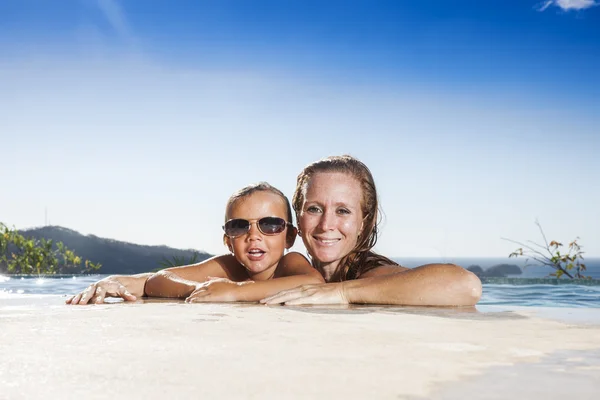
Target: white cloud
x: 115, y: 16
x: 569, y: 4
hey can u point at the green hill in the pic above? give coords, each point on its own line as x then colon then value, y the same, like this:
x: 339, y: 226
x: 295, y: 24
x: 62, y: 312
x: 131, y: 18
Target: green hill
x: 115, y: 256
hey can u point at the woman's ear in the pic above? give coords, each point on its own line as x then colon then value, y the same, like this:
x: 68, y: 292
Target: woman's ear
x: 290, y: 236
x: 362, y: 225
x: 227, y: 242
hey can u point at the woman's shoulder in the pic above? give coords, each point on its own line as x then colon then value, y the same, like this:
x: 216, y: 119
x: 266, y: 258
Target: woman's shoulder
x: 377, y: 265
x: 386, y: 269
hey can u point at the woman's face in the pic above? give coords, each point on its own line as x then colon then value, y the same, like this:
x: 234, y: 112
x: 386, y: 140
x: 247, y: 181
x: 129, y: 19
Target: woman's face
x: 331, y: 218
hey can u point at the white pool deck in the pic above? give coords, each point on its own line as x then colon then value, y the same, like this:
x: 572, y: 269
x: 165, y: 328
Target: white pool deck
x: 156, y: 350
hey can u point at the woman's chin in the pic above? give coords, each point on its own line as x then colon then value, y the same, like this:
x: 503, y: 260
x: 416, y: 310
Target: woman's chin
x: 324, y: 257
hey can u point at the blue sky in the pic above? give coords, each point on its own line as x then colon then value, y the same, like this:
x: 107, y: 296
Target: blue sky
x: 136, y: 120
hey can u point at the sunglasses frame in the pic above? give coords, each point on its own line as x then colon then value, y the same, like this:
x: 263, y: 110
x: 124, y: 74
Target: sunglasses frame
x: 257, y: 222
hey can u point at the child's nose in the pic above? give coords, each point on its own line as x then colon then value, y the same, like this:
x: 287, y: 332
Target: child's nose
x: 254, y: 232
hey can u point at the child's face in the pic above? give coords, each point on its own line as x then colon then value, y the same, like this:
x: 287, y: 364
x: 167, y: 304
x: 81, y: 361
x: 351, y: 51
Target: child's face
x: 257, y: 252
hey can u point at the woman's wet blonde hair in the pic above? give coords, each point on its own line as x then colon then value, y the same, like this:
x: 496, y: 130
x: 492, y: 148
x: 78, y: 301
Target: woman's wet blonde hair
x: 361, y: 259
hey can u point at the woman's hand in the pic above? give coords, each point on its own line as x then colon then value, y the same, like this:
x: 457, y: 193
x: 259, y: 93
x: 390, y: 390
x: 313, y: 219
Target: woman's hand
x: 96, y: 292
x: 216, y: 290
x: 327, y: 293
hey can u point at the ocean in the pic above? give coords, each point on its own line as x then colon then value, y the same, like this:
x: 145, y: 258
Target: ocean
x: 592, y: 264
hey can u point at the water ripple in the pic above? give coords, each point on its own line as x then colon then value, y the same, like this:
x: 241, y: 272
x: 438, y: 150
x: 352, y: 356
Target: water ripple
x: 541, y: 295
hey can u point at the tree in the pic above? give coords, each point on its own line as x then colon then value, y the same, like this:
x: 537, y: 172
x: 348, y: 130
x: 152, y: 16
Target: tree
x: 176, y: 261
x: 548, y: 254
x: 21, y: 255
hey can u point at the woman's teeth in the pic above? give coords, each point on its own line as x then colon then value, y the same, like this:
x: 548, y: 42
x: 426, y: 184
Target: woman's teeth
x: 327, y: 241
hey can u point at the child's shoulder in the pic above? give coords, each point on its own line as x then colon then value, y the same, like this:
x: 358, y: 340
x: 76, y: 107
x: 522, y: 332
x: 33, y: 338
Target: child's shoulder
x: 294, y: 263
x: 293, y: 259
x: 294, y: 255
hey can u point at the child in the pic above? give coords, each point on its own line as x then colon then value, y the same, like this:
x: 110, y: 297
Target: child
x: 257, y: 231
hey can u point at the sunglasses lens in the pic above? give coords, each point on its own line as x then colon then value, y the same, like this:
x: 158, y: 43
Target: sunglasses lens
x: 236, y: 227
x: 271, y: 225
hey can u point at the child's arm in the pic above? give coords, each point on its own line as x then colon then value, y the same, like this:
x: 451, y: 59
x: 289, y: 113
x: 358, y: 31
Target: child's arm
x: 180, y: 282
x: 176, y: 282
x: 127, y: 287
x: 293, y: 270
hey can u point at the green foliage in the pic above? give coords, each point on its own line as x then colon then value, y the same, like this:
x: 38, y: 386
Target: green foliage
x: 22, y: 255
x: 568, y: 263
x: 177, y: 261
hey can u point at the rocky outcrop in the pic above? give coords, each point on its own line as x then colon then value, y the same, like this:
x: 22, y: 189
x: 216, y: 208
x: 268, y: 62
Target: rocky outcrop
x: 496, y: 271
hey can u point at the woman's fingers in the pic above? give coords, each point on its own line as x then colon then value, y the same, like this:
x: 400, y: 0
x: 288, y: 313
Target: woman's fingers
x: 329, y: 293
x: 199, y: 299
x: 308, y: 299
x: 286, y: 295
x: 197, y: 295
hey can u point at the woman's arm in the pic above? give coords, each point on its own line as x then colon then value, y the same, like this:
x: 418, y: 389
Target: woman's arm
x: 428, y: 285
x: 293, y: 270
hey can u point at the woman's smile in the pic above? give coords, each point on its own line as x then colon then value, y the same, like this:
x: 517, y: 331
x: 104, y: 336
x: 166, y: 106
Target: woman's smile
x: 326, y: 241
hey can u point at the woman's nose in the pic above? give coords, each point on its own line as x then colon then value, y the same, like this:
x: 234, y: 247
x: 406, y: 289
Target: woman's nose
x: 327, y: 221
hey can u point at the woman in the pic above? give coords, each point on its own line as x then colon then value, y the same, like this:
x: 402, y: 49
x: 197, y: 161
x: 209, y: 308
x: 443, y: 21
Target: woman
x: 337, y: 212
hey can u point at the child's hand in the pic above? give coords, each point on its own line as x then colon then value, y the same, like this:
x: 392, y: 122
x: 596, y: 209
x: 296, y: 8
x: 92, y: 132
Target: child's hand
x: 96, y: 292
x: 216, y: 290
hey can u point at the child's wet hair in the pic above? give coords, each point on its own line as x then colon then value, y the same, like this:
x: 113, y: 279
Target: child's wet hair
x: 258, y: 187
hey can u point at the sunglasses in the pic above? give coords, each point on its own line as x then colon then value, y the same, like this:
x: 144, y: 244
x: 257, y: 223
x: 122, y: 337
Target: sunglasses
x: 267, y: 225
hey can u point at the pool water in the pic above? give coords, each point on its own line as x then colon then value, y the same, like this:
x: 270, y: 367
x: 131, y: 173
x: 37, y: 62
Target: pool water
x: 536, y: 292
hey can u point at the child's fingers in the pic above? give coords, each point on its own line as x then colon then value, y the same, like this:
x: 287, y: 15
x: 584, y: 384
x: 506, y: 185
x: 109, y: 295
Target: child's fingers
x: 88, y: 294
x: 124, y: 293
x: 98, y: 297
x: 75, y: 300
